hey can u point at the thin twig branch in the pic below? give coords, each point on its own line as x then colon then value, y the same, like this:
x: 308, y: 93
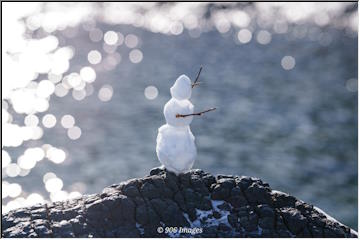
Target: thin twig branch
x: 195, y: 114
x: 196, y: 79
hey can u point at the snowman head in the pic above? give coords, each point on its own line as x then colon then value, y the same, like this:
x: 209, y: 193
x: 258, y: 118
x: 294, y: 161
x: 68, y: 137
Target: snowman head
x: 181, y: 89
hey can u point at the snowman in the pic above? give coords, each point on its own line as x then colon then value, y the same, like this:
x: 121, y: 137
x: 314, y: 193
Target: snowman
x: 175, y: 143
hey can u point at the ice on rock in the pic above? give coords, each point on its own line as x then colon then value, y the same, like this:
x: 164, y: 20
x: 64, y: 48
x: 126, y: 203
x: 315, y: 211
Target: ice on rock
x: 181, y: 89
x: 174, y: 107
x: 176, y: 148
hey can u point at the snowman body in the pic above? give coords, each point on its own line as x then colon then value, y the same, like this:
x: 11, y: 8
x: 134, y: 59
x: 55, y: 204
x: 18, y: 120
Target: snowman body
x: 175, y: 143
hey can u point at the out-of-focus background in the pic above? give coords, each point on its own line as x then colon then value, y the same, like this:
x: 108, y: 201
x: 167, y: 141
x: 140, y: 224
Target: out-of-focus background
x: 84, y: 85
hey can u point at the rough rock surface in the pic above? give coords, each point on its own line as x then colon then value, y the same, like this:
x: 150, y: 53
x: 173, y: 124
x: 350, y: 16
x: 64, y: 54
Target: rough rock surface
x: 163, y: 204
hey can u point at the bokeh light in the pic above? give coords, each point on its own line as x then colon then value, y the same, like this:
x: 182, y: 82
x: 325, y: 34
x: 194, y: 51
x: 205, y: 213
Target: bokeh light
x: 244, y: 36
x: 60, y: 90
x: 263, y: 37
x: 105, y: 93
x: 5, y: 159
x: 49, y: 121
x: 67, y: 121
x: 13, y: 190
x: 151, y: 92
x: 34, y: 198
x: 94, y: 57
x: 48, y: 176
x: 88, y: 74
x: 78, y: 94
x: 56, y: 155
x: 26, y: 162
x: 31, y: 120
x: 131, y: 40
x: 12, y: 170
x: 135, y: 56
x: 74, y: 133
x: 288, y: 62
x: 45, y: 88
x: 111, y: 38
x: 352, y: 85
x: 53, y: 185
x: 96, y: 35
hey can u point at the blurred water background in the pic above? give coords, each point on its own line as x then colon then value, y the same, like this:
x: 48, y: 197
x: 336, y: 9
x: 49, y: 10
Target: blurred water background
x: 84, y: 85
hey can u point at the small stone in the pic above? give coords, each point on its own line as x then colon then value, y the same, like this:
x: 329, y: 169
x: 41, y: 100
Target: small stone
x: 156, y: 171
x: 237, y: 201
x: 243, y: 182
x: 216, y: 214
x: 220, y: 193
x: 258, y: 194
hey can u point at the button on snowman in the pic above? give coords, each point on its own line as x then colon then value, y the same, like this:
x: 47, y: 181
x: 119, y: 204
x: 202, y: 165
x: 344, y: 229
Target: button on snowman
x: 175, y: 143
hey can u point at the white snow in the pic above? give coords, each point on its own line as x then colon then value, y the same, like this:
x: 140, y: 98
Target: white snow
x: 140, y: 228
x: 176, y: 148
x: 207, y: 215
x: 175, y: 143
x: 181, y: 89
x: 174, y: 107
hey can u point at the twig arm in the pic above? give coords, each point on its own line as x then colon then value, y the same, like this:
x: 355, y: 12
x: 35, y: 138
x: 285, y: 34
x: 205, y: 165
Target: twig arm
x: 195, y: 114
x: 196, y: 79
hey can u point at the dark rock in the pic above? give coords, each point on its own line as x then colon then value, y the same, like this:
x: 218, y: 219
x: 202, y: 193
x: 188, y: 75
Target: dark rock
x: 224, y: 206
x: 267, y: 223
x: 199, y: 186
x: 223, y: 227
x: 280, y: 200
x: 137, y: 207
x: 257, y: 194
x: 148, y: 190
x: 293, y: 220
x: 208, y: 180
x: 153, y: 217
x: 228, y: 183
x: 205, y: 204
x: 243, y: 182
x: 265, y: 211
x: 142, y: 215
x: 156, y: 171
x: 221, y: 176
x: 233, y: 219
x: 216, y: 214
x: 131, y: 191
x: 171, y: 181
x: 220, y: 193
x: 237, y: 201
x: 210, y: 232
x: 184, y: 179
